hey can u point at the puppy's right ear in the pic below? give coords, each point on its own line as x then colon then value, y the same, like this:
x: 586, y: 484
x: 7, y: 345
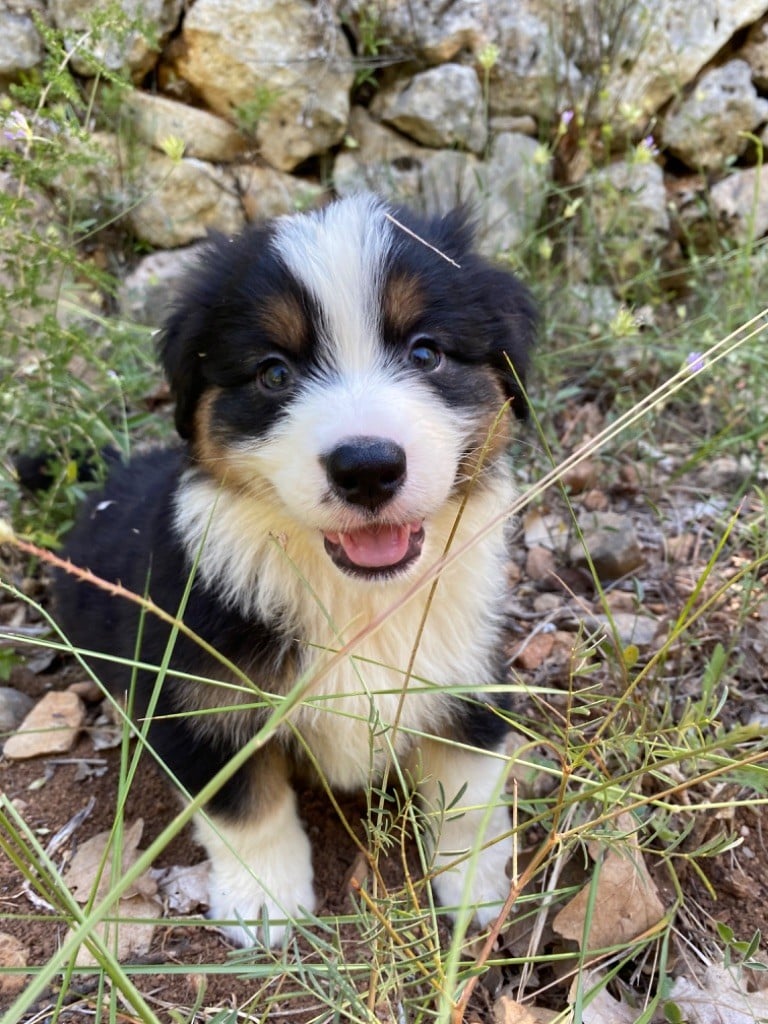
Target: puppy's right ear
x: 187, y: 333
x: 181, y: 357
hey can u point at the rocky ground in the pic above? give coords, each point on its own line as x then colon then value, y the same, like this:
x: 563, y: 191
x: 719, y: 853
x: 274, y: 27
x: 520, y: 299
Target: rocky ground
x: 649, y: 529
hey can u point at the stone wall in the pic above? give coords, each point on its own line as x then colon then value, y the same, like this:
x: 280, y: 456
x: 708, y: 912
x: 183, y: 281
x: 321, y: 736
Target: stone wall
x: 650, y: 114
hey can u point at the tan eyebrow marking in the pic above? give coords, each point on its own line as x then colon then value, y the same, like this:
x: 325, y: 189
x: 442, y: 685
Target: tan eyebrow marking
x: 285, y: 320
x: 403, y: 302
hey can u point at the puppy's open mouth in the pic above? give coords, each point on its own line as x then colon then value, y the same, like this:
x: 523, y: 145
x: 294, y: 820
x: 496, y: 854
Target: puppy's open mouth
x: 381, y: 550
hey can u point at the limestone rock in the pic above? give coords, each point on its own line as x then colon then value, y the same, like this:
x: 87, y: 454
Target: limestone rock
x: 506, y: 191
x: 51, y: 727
x: 529, y: 67
x: 740, y: 204
x: 707, y: 128
x: 440, y: 107
x: 626, y: 627
x: 265, y: 192
x: 533, y: 69
x: 435, y: 34
x: 663, y: 45
x: 512, y: 192
x: 627, y: 205
x: 378, y: 160
x: 130, y: 46
x: 182, y: 200
x: 148, y: 291
x: 205, y: 136
x: 280, y: 68
x: 755, y: 53
x: 524, y: 124
x: 20, y: 44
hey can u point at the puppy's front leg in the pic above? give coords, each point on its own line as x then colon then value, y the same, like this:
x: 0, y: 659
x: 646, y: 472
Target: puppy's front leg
x: 261, y: 863
x: 461, y: 824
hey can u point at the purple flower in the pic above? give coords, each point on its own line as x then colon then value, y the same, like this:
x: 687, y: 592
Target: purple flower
x: 16, y: 128
x: 649, y: 143
x: 566, y: 117
x: 695, y: 362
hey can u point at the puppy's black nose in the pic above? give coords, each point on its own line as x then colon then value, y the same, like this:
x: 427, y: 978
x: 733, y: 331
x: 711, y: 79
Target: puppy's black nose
x: 366, y: 471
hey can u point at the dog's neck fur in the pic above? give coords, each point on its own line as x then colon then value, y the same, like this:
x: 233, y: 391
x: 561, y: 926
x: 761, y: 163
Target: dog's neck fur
x: 242, y: 549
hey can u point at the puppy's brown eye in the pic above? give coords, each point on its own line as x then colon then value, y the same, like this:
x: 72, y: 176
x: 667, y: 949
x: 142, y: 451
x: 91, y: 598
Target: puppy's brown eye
x: 425, y: 354
x: 275, y: 375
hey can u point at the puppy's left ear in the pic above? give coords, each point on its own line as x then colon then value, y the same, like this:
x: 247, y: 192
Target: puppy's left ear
x: 517, y: 327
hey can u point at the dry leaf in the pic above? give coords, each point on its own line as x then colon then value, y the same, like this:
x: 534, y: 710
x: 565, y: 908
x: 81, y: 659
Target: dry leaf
x: 86, y: 871
x: 125, y: 938
x: 91, y: 868
x: 720, y: 999
x: 602, y: 1008
x: 508, y: 1011
x: 184, y: 889
x: 627, y: 902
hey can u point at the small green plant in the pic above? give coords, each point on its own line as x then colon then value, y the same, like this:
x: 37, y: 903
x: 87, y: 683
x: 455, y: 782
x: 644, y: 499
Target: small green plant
x: 371, y: 43
x: 249, y: 114
x: 73, y: 375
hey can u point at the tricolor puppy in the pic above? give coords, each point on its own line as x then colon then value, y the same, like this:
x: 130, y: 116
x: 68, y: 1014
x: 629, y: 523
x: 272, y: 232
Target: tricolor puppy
x: 345, y: 382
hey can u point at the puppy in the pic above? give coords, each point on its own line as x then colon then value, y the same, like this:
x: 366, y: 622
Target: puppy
x: 345, y: 382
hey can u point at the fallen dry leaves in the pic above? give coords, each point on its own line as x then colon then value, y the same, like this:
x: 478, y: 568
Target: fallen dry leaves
x: 626, y: 902
x: 89, y: 877
x: 721, y: 997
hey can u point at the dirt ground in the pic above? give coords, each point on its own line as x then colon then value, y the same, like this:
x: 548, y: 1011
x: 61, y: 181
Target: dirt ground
x: 731, y: 889
x: 739, y: 896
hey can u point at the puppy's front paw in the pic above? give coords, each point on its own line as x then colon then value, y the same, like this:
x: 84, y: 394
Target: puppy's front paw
x: 240, y: 903
x: 259, y: 869
x: 487, y: 888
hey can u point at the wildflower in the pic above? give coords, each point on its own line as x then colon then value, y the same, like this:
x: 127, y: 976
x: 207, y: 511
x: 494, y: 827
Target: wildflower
x: 624, y: 323
x: 16, y: 127
x: 650, y: 144
x: 488, y: 56
x: 565, y: 119
x: 646, y: 150
x: 695, y: 362
x: 173, y: 147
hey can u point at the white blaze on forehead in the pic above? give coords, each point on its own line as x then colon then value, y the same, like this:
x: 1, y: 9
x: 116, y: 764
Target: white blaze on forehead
x: 339, y: 255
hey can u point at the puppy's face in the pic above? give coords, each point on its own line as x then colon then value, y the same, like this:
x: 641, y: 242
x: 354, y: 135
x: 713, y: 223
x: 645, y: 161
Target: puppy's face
x: 337, y: 367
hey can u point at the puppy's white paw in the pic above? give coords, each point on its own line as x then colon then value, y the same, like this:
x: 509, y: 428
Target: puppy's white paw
x: 487, y: 889
x: 238, y: 896
x: 472, y: 845
x: 258, y: 868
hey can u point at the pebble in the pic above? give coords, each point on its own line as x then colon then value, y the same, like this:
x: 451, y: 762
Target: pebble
x: 13, y: 954
x: 14, y: 707
x: 539, y: 563
x: 612, y: 544
x: 531, y: 652
x: 51, y: 727
x: 639, y: 630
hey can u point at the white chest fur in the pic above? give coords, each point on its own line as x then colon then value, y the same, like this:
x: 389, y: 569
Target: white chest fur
x: 377, y: 656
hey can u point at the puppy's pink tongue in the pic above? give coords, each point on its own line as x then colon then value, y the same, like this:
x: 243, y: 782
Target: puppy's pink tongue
x: 376, y: 546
